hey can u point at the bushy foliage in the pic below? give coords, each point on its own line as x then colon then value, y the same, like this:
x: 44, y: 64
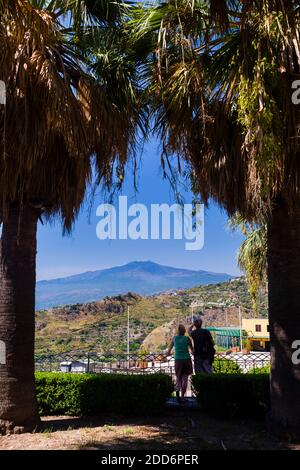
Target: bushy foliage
x: 82, y: 394
x: 260, y: 370
x: 232, y: 395
x: 226, y: 366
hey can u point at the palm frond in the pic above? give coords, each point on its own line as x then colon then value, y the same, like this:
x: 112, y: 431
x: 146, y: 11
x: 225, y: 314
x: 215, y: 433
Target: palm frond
x: 66, y: 107
x: 221, y: 94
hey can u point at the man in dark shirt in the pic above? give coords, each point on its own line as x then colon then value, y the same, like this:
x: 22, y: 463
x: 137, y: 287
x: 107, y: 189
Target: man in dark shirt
x: 204, y: 350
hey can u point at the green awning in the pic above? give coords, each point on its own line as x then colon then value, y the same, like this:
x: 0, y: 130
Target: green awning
x: 224, y: 331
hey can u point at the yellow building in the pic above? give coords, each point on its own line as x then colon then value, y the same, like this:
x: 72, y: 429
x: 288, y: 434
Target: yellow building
x: 257, y: 330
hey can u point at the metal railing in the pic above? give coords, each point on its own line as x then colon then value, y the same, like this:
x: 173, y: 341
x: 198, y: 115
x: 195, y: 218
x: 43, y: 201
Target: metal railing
x: 104, y: 363
x: 88, y: 362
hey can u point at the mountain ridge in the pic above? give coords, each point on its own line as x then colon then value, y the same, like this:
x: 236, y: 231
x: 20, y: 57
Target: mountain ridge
x: 142, y: 277
x: 132, y: 263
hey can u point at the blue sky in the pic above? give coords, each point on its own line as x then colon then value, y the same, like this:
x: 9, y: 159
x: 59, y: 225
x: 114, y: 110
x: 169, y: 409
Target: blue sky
x: 82, y: 251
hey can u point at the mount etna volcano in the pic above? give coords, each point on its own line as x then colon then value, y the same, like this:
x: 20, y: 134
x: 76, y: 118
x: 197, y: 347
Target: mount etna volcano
x: 141, y: 277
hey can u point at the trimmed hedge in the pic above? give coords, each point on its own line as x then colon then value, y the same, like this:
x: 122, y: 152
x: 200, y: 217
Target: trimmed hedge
x: 226, y: 366
x: 260, y: 370
x: 83, y: 394
x: 232, y: 395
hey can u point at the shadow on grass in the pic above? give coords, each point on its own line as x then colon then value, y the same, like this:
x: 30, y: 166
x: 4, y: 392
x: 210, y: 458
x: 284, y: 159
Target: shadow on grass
x: 166, y: 442
x: 176, y: 430
x: 64, y: 423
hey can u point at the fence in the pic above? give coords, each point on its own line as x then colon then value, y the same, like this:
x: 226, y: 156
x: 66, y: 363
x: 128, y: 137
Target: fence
x: 140, y: 363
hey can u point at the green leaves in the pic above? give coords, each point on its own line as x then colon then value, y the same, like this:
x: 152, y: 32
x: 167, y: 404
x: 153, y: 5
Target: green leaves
x: 252, y: 259
x: 214, y: 77
x: 233, y: 395
x: 82, y: 394
x: 252, y: 254
x: 74, y: 93
x: 220, y: 88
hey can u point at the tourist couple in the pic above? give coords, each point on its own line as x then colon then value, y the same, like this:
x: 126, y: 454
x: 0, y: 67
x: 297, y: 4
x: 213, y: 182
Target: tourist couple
x: 202, y: 348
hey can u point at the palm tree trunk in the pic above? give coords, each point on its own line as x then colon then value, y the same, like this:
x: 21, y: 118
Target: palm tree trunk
x: 18, y: 406
x: 284, y: 312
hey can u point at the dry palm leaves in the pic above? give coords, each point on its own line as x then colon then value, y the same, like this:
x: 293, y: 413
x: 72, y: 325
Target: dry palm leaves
x: 222, y: 99
x: 57, y: 115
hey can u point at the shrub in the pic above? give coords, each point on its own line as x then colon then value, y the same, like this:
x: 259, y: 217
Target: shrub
x: 232, y: 395
x: 82, y: 394
x: 226, y: 366
x: 260, y: 370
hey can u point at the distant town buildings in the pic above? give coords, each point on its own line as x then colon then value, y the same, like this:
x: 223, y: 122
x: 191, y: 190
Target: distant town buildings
x: 257, y: 331
x: 254, y: 330
x: 83, y: 366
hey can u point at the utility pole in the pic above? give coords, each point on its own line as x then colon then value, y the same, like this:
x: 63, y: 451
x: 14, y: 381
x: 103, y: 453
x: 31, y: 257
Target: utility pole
x: 241, y: 331
x: 226, y: 321
x: 194, y: 305
x: 128, y: 335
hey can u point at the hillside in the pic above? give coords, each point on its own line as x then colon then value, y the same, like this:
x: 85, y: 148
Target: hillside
x: 102, y: 326
x: 142, y: 277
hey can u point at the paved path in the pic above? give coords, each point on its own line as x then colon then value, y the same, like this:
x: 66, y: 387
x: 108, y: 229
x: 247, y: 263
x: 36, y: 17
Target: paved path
x: 189, y: 402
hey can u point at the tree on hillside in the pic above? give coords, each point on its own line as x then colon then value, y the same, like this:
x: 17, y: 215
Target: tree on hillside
x: 222, y: 84
x: 73, y: 105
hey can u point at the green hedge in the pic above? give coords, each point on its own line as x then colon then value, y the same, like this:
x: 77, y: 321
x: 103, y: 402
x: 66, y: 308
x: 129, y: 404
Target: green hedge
x: 82, y: 394
x: 232, y: 395
x: 226, y: 366
x: 260, y: 370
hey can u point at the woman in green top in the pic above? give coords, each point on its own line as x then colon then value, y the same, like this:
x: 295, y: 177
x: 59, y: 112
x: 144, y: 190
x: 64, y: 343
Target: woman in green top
x: 183, y: 363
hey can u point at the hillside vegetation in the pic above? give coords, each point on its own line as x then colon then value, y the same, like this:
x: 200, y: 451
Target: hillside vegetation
x: 102, y: 326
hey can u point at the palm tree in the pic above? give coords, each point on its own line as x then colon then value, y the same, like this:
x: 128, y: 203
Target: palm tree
x: 252, y: 255
x: 64, y: 117
x: 221, y: 88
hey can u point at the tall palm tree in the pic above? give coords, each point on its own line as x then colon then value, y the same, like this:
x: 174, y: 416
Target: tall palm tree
x: 72, y: 105
x: 221, y: 88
